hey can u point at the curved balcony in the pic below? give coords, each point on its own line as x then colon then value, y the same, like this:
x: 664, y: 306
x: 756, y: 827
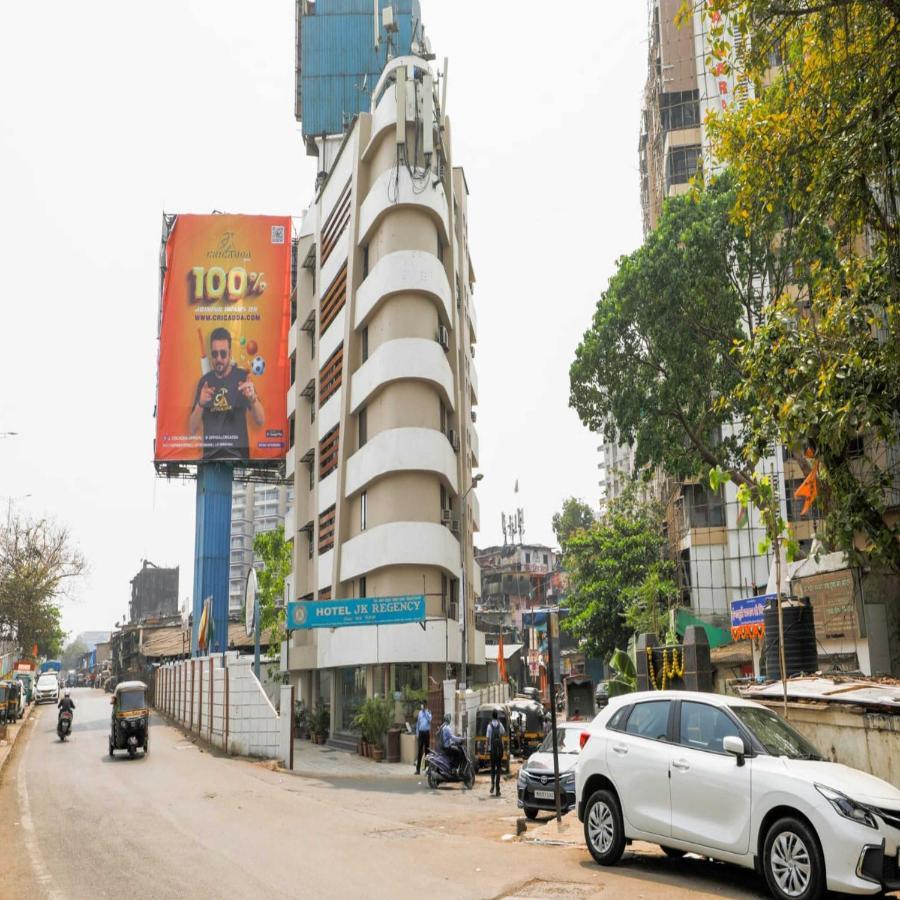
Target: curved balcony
x: 401, y: 450
x: 394, y: 189
x: 400, y: 272
x: 415, y: 359
x: 400, y: 544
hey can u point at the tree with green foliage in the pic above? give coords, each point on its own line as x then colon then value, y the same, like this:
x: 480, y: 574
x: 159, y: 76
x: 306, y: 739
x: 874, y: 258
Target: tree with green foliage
x: 575, y: 515
x: 658, y: 361
x: 820, y: 141
x: 619, y: 582
x: 71, y: 655
x: 37, y: 564
x: 277, y: 558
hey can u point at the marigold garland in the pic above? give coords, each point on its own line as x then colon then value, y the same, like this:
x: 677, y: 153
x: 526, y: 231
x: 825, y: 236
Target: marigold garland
x: 671, y: 668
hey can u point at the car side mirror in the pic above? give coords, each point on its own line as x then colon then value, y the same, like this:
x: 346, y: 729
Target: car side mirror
x: 734, y: 745
x: 112, y: 700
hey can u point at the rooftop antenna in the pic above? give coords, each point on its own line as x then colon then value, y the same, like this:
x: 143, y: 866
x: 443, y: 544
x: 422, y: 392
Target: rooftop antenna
x: 520, y: 516
x: 503, y: 520
x: 375, y: 26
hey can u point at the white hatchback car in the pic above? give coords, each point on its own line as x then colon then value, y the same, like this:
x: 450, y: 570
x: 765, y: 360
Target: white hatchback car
x: 47, y: 689
x: 729, y: 779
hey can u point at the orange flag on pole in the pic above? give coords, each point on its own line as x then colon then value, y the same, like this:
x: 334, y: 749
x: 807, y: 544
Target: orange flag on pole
x: 809, y: 489
x: 501, y: 659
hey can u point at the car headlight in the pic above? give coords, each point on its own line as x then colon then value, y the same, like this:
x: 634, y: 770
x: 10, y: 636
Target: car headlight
x: 568, y: 777
x: 849, y: 809
x: 521, y: 780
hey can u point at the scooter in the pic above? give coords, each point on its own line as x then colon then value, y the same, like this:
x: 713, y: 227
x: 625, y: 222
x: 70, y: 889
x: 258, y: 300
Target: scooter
x: 64, y: 725
x: 442, y: 768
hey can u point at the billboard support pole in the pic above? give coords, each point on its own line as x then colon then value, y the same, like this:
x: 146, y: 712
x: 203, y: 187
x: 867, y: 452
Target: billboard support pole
x: 212, y: 550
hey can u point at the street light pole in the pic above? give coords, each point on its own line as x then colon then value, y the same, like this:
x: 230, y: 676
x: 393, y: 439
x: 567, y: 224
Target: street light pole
x: 463, y: 618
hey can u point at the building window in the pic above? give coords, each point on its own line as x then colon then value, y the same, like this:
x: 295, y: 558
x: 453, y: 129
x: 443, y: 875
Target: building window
x: 408, y: 677
x: 795, y: 504
x: 703, y: 508
x: 443, y: 415
x: 365, y: 261
x: 362, y: 426
x: 362, y: 587
x: 679, y: 109
x: 364, y: 343
x: 682, y: 164
x: 310, y: 538
x: 363, y: 510
x: 330, y: 376
x: 291, y: 432
x: 328, y: 452
x: 527, y: 559
x: 444, y: 586
x: 546, y: 560
x: 440, y: 248
x: 326, y: 530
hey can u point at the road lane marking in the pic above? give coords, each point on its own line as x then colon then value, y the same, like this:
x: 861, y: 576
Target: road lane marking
x: 42, y: 873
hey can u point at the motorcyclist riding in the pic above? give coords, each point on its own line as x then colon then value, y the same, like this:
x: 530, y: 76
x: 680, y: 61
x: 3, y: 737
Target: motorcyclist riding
x: 450, y: 743
x: 66, y: 704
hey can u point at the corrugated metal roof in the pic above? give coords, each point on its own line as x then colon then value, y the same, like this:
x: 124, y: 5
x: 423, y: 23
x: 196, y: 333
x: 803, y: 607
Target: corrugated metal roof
x: 337, y: 54
x: 884, y: 692
x: 170, y: 641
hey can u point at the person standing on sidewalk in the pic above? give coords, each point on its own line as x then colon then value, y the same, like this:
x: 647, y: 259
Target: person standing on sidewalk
x: 495, y: 733
x: 423, y: 734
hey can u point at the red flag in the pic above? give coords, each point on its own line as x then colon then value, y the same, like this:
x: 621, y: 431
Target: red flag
x: 501, y: 660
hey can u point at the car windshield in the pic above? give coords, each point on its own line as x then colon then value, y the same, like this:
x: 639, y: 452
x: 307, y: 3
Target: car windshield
x: 131, y: 700
x: 778, y: 738
x: 46, y: 681
x: 568, y: 740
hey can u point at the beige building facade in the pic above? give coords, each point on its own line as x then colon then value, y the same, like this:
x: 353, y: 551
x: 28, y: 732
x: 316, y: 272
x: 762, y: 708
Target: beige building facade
x: 382, y: 402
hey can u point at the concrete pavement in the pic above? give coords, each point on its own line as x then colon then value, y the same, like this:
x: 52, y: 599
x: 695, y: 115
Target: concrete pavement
x: 186, y: 823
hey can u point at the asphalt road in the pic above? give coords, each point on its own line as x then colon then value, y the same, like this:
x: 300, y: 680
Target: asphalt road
x: 188, y: 823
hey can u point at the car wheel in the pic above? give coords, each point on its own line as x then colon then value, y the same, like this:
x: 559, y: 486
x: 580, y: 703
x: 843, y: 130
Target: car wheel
x: 604, y: 832
x: 672, y: 852
x: 792, y: 861
x: 110, y: 748
x: 530, y: 813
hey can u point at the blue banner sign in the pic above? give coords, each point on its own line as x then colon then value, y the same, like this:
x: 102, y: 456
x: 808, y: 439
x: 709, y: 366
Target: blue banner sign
x: 749, y: 611
x: 356, y: 611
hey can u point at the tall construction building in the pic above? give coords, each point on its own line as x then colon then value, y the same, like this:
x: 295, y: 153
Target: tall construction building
x: 711, y: 538
x: 382, y: 404
x: 255, y: 508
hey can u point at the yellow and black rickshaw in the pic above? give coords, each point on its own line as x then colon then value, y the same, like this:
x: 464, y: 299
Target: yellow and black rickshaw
x: 532, y: 713
x: 4, y: 701
x: 130, y: 726
x: 483, y: 716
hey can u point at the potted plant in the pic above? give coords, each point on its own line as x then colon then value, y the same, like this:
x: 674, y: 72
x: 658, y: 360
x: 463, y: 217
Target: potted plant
x: 381, y: 717
x: 319, y: 723
x: 361, y: 724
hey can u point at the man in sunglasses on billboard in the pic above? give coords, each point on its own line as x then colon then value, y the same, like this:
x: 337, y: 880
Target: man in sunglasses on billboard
x: 224, y: 397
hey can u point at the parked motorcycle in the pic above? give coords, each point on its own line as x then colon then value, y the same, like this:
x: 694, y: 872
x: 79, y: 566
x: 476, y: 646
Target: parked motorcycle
x: 64, y: 725
x: 443, y: 767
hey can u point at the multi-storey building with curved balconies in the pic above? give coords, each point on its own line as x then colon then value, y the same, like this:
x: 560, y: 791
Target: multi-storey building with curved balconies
x: 383, y: 399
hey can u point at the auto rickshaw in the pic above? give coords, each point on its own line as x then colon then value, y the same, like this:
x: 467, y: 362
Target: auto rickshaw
x: 4, y: 701
x: 130, y: 725
x: 483, y: 716
x: 533, y: 714
x: 15, y: 708
x: 26, y: 679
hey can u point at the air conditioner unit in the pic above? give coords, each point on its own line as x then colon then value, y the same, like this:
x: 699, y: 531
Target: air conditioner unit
x: 474, y: 416
x: 444, y: 337
x: 446, y: 516
x: 454, y: 526
x: 454, y: 439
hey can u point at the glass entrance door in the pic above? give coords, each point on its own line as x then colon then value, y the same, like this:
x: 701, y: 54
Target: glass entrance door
x: 351, y: 693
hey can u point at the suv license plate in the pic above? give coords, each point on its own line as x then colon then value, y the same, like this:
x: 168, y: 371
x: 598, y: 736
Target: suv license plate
x: 544, y: 795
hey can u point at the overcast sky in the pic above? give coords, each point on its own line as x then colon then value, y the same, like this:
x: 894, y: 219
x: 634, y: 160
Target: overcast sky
x: 112, y: 112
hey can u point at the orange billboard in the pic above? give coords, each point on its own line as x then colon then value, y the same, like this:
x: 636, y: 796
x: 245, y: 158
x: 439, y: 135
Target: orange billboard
x: 223, y: 354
